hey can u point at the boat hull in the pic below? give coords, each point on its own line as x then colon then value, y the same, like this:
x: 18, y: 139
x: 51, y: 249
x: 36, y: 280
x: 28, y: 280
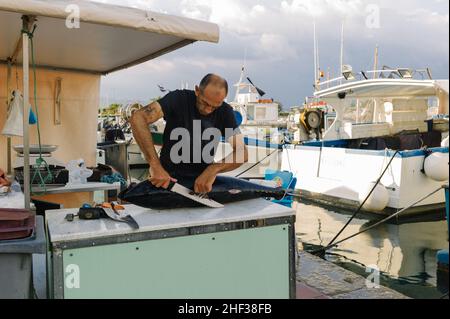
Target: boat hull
x: 338, y: 175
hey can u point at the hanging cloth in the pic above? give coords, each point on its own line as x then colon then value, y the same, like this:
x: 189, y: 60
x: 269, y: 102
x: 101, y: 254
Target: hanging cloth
x: 14, y: 120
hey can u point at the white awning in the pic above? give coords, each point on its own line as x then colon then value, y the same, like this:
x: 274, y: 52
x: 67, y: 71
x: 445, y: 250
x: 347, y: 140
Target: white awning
x: 110, y: 38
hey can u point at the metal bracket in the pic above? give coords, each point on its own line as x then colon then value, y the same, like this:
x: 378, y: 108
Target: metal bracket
x: 57, y: 105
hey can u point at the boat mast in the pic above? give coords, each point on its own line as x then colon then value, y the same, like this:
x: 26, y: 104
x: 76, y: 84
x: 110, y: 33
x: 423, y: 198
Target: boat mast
x: 342, y: 48
x: 315, y: 57
x: 238, y: 85
x: 328, y: 76
x: 316, y: 60
x: 375, y: 65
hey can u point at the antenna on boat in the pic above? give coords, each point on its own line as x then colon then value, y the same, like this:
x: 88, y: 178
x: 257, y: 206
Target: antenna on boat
x: 375, y: 64
x: 328, y: 76
x: 241, y: 79
x: 238, y: 85
x: 342, y: 47
x: 316, y: 60
x: 315, y: 55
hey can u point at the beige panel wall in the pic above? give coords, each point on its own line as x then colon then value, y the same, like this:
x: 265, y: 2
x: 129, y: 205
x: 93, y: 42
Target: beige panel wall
x: 76, y: 136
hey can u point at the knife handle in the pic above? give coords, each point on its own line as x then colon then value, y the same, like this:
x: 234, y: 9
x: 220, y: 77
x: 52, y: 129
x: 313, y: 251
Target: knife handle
x: 90, y: 213
x: 171, y: 185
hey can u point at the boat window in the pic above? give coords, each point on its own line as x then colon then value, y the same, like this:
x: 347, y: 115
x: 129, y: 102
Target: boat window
x: 364, y: 111
x: 433, y: 107
x: 260, y: 113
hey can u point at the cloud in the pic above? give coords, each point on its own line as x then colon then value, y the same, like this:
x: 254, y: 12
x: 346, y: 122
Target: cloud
x: 276, y: 47
x: 310, y: 8
x: 275, y: 38
x: 162, y: 66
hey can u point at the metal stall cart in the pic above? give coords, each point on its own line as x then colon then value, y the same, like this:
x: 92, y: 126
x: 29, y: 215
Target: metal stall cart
x: 16, y: 263
x: 245, y: 250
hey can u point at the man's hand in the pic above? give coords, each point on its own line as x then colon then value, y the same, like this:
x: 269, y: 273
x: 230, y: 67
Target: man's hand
x: 203, y: 183
x: 159, y: 177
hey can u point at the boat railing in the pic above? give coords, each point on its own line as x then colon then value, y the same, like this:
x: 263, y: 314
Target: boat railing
x: 401, y: 73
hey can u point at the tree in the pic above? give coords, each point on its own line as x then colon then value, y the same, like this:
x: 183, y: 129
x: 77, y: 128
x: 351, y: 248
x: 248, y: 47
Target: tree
x: 280, y: 106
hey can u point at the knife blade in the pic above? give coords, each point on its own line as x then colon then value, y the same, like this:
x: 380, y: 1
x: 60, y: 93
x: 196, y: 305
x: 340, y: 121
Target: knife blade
x: 186, y: 192
x: 123, y: 218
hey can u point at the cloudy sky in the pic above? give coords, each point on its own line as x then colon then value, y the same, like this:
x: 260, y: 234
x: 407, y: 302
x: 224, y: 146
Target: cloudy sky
x: 275, y: 39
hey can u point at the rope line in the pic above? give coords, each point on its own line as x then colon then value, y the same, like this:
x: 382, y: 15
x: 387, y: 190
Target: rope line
x: 40, y: 161
x: 364, y: 202
x: 376, y: 224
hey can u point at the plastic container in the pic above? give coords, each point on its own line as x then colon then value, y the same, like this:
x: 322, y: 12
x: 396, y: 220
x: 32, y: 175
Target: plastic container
x: 16, y: 266
x: 283, y: 179
x: 16, y: 224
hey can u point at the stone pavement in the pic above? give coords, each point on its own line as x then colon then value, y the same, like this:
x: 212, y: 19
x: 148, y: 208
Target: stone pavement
x: 320, y: 279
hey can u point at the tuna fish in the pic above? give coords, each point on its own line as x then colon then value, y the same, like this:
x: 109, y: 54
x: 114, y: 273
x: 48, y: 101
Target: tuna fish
x: 225, y: 190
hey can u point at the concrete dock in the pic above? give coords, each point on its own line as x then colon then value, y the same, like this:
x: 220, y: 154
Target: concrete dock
x: 321, y: 279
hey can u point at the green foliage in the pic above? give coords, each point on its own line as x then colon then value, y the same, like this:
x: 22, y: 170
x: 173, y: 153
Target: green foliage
x: 111, y: 110
x: 280, y: 106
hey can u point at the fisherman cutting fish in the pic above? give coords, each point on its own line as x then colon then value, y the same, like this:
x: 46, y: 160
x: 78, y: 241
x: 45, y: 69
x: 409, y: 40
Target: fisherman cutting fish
x: 196, y: 121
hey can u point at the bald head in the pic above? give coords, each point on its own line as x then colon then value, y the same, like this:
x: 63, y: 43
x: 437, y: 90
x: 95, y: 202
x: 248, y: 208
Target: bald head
x: 211, y: 93
x: 215, y: 80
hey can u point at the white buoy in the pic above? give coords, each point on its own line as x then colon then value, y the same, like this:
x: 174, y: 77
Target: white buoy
x: 379, y: 199
x: 436, y: 166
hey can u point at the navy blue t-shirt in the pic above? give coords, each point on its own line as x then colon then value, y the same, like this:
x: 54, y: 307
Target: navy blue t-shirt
x: 195, y: 151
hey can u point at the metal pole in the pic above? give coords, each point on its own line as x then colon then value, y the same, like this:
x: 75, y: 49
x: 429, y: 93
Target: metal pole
x: 342, y: 48
x: 375, y: 65
x: 8, y: 140
x: 315, y: 55
x: 8, y: 153
x: 26, y: 110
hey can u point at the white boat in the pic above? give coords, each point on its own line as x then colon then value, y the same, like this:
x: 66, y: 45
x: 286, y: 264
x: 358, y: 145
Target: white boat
x: 373, y: 117
x: 260, y: 125
x: 254, y: 110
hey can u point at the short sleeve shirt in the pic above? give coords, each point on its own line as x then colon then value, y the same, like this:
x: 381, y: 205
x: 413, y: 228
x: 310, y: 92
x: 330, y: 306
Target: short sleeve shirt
x: 191, y: 139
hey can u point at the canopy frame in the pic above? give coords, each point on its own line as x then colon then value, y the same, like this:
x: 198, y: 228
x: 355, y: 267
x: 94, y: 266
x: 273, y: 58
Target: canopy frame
x: 187, y: 30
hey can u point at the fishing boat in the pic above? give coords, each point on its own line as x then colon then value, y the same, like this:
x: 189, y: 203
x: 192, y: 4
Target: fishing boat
x: 252, y: 109
x: 263, y: 130
x: 382, y: 125
x: 309, y: 121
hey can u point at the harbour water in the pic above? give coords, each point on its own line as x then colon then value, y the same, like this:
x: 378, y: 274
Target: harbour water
x: 404, y: 254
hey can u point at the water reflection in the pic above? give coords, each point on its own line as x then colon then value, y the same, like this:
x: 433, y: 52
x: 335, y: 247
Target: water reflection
x: 406, y: 253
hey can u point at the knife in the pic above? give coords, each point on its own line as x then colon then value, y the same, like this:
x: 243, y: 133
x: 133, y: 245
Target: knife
x: 113, y: 213
x: 186, y: 192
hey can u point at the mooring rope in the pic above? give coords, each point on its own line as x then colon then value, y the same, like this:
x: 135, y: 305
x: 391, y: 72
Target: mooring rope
x: 365, y: 200
x: 376, y: 224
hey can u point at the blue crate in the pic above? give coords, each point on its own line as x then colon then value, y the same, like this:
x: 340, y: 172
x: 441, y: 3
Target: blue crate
x: 286, y: 180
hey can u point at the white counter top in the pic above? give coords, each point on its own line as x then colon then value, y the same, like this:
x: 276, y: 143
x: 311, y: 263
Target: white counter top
x: 152, y: 220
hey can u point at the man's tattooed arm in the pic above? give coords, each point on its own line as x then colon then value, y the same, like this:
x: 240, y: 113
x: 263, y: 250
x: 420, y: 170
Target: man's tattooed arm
x: 140, y: 122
